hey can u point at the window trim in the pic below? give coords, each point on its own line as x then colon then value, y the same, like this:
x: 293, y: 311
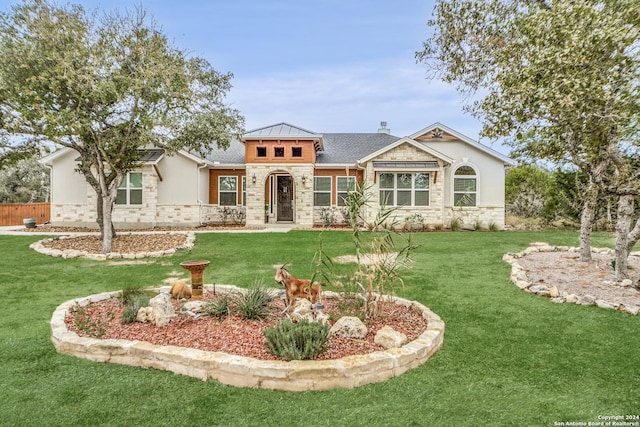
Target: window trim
x: 235, y: 192
x: 412, y: 190
x: 127, y: 189
x: 453, y: 186
x: 264, y: 151
x: 293, y: 152
x: 276, y: 150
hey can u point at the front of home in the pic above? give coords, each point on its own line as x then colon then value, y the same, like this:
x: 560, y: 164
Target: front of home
x: 285, y: 174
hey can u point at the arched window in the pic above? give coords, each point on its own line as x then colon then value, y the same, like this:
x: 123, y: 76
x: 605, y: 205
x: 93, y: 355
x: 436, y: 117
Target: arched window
x: 464, y: 186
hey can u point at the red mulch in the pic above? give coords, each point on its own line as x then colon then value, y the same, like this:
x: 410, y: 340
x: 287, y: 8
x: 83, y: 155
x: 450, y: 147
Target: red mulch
x: 236, y: 335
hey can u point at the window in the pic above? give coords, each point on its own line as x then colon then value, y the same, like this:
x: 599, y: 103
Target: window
x: 278, y: 151
x: 227, y: 190
x: 130, y: 191
x: 404, y: 189
x: 296, y: 151
x: 464, y: 186
x: 345, y: 184
x: 322, y: 191
x: 244, y: 191
x: 261, y: 151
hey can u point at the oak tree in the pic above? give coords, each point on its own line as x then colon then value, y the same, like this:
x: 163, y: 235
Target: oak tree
x: 108, y: 86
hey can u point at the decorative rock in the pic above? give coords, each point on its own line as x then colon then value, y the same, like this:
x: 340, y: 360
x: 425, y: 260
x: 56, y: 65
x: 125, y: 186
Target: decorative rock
x: 349, y: 327
x: 302, y: 309
x: 558, y: 300
x: 389, y: 338
x: 162, y: 309
x: 631, y: 309
x: 626, y: 283
x: 606, y: 304
x: 586, y: 300
x: 540, y: 290
x: 145, y: 315
x: 571, y: 298
x: 193, y: 306
x: 553, y: 292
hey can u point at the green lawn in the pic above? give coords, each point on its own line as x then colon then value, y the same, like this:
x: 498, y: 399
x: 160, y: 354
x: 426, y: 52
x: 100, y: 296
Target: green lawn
x: 509, y: 358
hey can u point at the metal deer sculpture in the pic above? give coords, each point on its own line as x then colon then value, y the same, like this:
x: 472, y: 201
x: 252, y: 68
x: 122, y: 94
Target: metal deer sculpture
x: 296, y: 288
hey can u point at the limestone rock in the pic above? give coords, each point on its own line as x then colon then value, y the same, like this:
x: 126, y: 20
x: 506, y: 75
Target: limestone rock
x: 606, y: 304
x: 626, y: 283
x: 389, y: 338
x: 631, y: 309
x: 541, y: 290
x: 571, y: 298
x: 586, y: 300
x: 163, y: 311
x: 553, y: 292
x: 302, y: 309
x: 349, y: 327
x: 145, y: 315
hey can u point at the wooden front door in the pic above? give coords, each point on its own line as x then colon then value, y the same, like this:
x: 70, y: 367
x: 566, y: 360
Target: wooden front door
x: 285, y: 198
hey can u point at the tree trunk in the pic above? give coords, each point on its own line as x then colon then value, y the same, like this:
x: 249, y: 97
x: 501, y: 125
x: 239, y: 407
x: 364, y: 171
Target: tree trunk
x: 108, y: 232
x: 623, y: 235
x: 586, y: 220
x: 100, y: 217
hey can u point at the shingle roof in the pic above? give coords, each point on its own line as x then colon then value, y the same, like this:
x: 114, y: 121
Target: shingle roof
x: 348, y: 148
x: 234, y: 155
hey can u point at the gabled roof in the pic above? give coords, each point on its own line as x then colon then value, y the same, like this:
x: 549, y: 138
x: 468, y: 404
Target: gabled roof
x: 280, y: 130
x: 407, y: 140
x: 506, y: 160
x: 284, y: 131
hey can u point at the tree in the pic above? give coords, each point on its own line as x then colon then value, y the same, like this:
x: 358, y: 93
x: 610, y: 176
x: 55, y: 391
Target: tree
x: 25, y: 182
x: 565, y: 72
x: 108, y: 88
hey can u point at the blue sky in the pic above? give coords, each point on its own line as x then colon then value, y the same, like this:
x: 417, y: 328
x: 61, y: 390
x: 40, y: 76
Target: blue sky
x: 327, y: 66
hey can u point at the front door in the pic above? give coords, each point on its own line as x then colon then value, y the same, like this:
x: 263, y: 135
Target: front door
x: 285, y: 198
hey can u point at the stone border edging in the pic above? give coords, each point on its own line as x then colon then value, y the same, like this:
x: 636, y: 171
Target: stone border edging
x: 520, y: 279
x: 240, y: 371
x: 73, y: 253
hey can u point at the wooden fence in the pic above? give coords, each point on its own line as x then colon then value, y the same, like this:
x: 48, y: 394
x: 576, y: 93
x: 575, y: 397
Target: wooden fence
x: 14, y: 213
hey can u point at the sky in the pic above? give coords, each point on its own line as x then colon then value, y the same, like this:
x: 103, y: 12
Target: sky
x: 323, y: 65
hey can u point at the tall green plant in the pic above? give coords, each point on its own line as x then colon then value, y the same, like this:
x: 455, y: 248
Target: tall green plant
x: 379, y: 275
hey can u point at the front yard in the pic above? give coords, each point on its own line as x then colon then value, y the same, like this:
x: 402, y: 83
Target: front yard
x: 509, y: 358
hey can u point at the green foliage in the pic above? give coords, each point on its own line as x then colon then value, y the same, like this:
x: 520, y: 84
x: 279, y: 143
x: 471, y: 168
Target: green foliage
x: 107, y: 87
x: 26, y: 181
x: 297, y: 341
x: 85, y: 321
x: 133, y: 299
x: 349, y: 304
x: 386, y: 260
x: 220, y: 307
x: 254, y: 304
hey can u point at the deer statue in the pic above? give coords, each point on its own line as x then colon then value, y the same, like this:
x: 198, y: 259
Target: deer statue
x: 296, y: 288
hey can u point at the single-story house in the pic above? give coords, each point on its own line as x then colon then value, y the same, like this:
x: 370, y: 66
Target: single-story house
x: 286, y: 174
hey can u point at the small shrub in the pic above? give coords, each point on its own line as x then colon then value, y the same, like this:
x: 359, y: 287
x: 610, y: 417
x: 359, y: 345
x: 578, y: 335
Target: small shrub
x: 455, y: 224
x: 254, y: 304
x: 220, y: 307
x: 133, y: 302
x: 297, y: 341
x: 328, y: 217
x: 84, y: 320
x: 348, y: 305
x: 493, y: 226
x: 477, y: 225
